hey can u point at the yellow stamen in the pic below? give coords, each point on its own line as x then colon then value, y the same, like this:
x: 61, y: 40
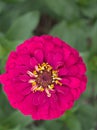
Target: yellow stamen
x: 40, y: 89
x: 51, y: 86
x: 31, y: 81
x: 34, y: 83
x: 34, y: 88
x: 36, y: 68
x: 35, y: 72
x: 57, y: 78
x: 48, y: 93
x: 37, y: 85
x: 30, y: 74
x: 57, y: 82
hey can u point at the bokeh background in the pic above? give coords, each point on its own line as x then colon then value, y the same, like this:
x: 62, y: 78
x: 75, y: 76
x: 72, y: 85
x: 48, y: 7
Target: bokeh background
x: 74, y: 21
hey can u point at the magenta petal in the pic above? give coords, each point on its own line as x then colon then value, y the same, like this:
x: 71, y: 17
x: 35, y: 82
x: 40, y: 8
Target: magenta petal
x: 74, y: 70
x: 65, y: 102
x: 26, y: 91
x: 31, y: 54
x: 43, y: 111
x: 49, y: 58
x: 39, y: 55
x: 24, y: 78
x: 82, y: 68
x: 65, y: 81
x: 63, y: 71
x: 54, y: 108
x: 72, y: 82
x: 66, y: 53
x: 58, y: 60
x: 26, y: 105
x: 57, y: 42
x: 11, y: 62
x: 83, y: 83
x: 62, y: 90
x: 34, y: 46
x: 33, y: 62
x: 76, y: 92
x: 39, y: 98
x: 4, y: 78
x: 21, y: 86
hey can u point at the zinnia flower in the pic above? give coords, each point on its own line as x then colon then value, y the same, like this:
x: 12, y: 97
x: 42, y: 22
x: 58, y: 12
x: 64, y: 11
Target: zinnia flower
x: 43, y: 77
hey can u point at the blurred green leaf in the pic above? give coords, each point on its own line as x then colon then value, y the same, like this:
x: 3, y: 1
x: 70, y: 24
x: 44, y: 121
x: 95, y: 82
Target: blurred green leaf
x: 93, y: 35
x: 75, y: 34
x: 2, y: 6
x: 2, y: 51
x: 86, y: 114
x: 53, y: 125
x: 38, y: 128
x: 85, y: 55
x: 64, y: 8
x: 73, y: 123
x: 90, y: 8
x: 13, y: 1
x: 16, y: 128
x: 16, y: 118
x: 23, y: 27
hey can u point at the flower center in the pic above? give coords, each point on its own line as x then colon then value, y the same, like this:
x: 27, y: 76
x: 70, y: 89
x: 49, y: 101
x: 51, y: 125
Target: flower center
x: 43, y: 78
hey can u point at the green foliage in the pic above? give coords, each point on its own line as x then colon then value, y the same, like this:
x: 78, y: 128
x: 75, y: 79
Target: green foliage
x: 74, y: 21
x: 2, y: 5
x: 22, y: 27
x: 64, y: 8
x: 75, y: 34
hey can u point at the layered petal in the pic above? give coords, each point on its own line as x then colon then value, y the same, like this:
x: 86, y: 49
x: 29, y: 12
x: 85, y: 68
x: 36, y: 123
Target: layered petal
x: 56, y: 77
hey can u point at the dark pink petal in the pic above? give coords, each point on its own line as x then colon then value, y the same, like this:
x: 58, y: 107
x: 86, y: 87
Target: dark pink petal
x: 24, y: 78
x: 26, y: 91
x: 49, y: 58
x: 54, y: 108
x: 72, y: 59
x: 74, y: 70
x: 65, y: 102
x: 26, y: 105
x: 34, y: 46
x: 62, y: 90
x: 23, y: 48
x: 33, y: 62
x: 76, y: 92
x: 58, y: 60
x: 39, y: 55
x: 82, y: 68
x: 4, y: 78
x: 65, y: 81
x: 21, y: 86
x: 47, y: 37
x: 66, y: 53
x: 63, y: 58
x: 11, y: 63
x: 72, y: 82
x: 42, y: 112
x: 63, y: 71
x: 57, y: 42
x: 83, y: 83
x: 39, y: 98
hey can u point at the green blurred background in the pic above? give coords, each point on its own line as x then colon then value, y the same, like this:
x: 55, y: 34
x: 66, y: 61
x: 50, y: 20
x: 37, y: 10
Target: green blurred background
x: 74, y: 21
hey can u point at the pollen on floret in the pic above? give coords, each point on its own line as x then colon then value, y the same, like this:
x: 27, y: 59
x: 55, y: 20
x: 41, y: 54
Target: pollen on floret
x: 44, y: 78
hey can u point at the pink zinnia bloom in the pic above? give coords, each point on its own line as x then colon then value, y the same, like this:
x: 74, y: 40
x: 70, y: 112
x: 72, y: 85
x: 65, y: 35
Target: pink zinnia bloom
x: 43, y: 77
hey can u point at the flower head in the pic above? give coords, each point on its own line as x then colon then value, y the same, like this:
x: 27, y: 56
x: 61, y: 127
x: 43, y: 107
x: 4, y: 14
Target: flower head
x: 43, y: 77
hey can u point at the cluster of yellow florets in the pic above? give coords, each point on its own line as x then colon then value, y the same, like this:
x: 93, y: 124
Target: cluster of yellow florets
x: 39, y: 69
